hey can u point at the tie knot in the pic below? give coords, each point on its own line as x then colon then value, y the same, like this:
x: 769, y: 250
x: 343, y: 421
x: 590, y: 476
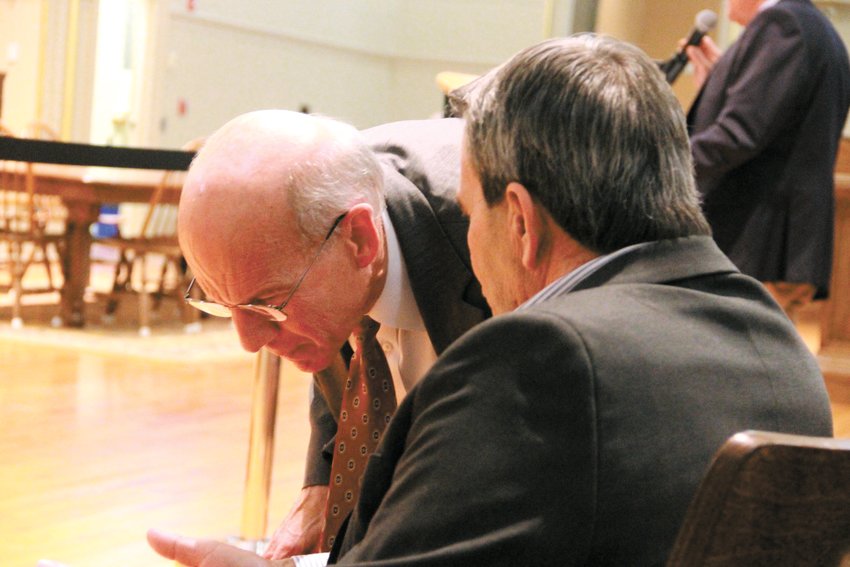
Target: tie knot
x: 366, y: 329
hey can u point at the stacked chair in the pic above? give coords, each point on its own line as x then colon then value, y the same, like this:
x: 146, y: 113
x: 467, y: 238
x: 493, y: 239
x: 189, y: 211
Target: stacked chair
x: 32, y: 233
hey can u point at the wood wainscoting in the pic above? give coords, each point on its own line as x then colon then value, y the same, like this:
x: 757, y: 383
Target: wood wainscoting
x: 835, y: 322
x: 834, y: 352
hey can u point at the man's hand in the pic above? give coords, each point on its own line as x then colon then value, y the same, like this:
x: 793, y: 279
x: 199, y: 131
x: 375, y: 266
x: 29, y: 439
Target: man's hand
x: 207, y: 552
x: 703, y: 57
x: 301, y: 531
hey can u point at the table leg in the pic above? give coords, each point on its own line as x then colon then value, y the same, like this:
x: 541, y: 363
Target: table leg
x: 75, y: 262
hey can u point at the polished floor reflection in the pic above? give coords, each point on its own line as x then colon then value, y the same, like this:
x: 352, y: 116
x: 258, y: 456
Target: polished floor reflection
x: 96, y: 449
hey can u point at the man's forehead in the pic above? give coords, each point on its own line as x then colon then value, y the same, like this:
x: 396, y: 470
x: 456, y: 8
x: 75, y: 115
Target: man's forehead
x: 236, y: 277
x: 216, y: 197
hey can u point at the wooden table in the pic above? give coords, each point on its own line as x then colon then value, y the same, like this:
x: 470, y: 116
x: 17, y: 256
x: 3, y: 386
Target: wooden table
x: 83, y: 190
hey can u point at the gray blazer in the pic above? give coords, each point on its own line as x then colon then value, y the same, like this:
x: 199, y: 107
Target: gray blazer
x: 764, y: 131
x: 576, y: 431
x: 421, y: 163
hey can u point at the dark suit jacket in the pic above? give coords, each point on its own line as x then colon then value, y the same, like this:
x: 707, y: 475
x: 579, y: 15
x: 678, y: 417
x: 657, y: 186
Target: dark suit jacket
x: 576, y: 431
x: 765, y: 131
x: 421, y: 163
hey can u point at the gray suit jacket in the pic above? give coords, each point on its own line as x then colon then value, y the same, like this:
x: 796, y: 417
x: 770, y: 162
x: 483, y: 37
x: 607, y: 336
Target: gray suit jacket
x: 421, y: 163
x: 764, y: 132
x: 576, y: 431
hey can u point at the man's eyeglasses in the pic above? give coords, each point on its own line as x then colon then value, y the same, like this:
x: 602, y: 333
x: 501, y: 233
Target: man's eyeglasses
x: 270, y: 312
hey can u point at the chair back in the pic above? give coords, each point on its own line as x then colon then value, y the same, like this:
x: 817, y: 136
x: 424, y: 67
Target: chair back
x: 32, y: 233
x: 16, y: 189
x: 770, y: 499
x: 40, y: 131
x: 160, y: 220
x: 23, y: 210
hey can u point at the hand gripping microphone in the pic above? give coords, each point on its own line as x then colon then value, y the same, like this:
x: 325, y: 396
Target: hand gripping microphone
x: 703, y: 23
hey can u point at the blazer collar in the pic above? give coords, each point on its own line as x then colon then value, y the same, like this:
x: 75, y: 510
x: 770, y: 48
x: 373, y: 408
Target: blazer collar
x: 664, y: 261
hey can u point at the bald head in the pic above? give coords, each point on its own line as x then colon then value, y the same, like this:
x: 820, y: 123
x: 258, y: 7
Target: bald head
x: 272, y: 179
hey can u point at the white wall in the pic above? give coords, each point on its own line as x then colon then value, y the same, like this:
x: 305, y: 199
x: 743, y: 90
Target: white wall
x: 838, y: 11
x: 19, y: 59
x: 365, y: 61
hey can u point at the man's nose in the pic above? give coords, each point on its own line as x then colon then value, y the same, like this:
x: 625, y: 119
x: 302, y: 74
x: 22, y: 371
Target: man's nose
x: 254, y: 331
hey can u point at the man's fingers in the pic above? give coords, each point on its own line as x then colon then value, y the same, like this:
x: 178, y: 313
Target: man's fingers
x: 184, y: 550
x: 710, y: 48
x: 300, y: 533
x: 163, y: 543
x: 201, y: 552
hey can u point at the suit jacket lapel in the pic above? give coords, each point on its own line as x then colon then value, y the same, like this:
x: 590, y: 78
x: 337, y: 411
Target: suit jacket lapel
x: 448, y: 297
x: 712, y: 95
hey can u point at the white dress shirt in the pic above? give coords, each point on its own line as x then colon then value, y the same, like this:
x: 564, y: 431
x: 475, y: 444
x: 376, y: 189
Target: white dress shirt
x: 402, y: 334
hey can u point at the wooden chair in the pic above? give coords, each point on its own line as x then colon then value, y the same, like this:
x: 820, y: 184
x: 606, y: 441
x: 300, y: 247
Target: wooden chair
x: 53, y: 203
x: 155, y: 241
x: 770, y: 499
x: 32, y: 231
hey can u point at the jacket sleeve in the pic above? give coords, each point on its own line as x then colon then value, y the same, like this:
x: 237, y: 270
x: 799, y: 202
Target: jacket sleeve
x: 320, y: 447
x: 768, y: 83
x: 325, y: 401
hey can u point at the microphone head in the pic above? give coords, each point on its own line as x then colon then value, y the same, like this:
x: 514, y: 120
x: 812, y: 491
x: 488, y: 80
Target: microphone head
x: 705, y: 21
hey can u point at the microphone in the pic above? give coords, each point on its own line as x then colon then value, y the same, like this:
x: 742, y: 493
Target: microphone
x: 703, y: 23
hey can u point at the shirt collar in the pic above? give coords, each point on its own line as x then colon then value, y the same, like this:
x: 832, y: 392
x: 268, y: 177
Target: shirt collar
x: 396, y: 306
x: 767, y: 4
x: 569, y: 281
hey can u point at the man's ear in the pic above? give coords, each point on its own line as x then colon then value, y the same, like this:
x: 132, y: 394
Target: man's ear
x: 525, y: 224
x: 361, y: 233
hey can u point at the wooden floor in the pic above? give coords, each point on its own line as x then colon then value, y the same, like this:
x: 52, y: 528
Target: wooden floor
x: 95, y: 449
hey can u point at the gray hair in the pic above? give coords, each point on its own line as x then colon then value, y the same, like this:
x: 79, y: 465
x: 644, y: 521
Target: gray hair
x: 591, y: 128
x: 342, y: 172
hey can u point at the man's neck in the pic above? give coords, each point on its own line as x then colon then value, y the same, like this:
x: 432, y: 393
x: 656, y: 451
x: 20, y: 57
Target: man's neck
x: 565, y: 256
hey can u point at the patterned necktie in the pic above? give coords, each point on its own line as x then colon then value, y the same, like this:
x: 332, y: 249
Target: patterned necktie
x: 368, y: 402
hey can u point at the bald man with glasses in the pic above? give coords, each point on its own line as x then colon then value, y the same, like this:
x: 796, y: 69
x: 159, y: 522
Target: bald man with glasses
x: 297, y: 226
x: 271, y: 312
